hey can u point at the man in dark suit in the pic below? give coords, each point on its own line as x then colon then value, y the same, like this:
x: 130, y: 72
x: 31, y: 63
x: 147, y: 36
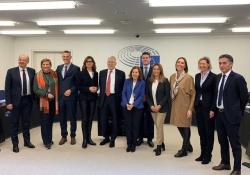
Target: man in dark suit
x: 231, y: 98
x: 147, y: 123
x: 205, y: 83
x: 67, y: 73
x: 18, y: 95
x: 111, y: 82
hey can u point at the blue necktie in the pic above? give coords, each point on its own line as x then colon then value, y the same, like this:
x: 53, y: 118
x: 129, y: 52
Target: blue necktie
x: 221, y: 90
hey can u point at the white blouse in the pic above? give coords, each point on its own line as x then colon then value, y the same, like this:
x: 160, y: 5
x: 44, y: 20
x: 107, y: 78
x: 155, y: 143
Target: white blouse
x: 132, y: 97
x: 154, y: 88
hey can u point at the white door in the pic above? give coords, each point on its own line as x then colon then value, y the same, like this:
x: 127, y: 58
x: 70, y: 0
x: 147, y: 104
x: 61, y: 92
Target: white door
x: 55, y: 57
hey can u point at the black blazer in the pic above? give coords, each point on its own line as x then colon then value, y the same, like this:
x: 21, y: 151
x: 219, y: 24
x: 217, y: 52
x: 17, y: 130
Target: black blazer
x: 149, y: 73
x: 68, y: 82
x: 235, y: 97
x: 162, y: 95
x: 119, y: 81
x: 13, y: 85
x: 84, y: 81
x: 207, y: 90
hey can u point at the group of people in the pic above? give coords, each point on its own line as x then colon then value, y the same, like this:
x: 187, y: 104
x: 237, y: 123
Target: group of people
x: 143, y: 99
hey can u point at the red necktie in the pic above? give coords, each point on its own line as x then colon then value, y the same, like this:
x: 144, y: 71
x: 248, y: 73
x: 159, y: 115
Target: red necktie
x: 108, y: 84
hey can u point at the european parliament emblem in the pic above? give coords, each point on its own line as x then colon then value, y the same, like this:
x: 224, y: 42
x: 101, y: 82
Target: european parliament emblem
x: 131, y: 55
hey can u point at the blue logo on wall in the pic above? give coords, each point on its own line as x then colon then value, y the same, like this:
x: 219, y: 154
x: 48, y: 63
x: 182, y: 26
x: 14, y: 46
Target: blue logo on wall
x: 131, y: 55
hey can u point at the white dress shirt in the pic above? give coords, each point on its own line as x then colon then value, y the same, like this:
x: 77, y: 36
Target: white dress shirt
x: 112, y: 83
x: 222, y: 105
x: 154, y: 89
x: 27, y: 78
x: 91, y: 74
x: 64, y: 66
x: 203, y: 79
x: 132, y: 97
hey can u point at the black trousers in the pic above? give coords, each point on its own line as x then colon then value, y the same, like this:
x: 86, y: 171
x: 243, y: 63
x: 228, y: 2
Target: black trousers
x: 228, y: 132
x: 185, y: 134
x: 132, y: 122
x: 206, y: 127
x: 47, y: 123
x: 87, y: 111
x: 108, y: 114
x: 23, y: 112
x: 146, y: 124
x: 67, y: 108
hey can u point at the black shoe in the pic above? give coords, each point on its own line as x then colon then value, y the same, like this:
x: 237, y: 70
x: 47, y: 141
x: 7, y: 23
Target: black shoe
x: 91, y: 142
x: 52, y: 143
x: 139, y: 142
x: 84, y: 144
x: 15, y: 149
x: 29, y: 145
x: 158, y: 150
x: 222, y: 166
x: 112, y: 144
x: 181, y: 153
x: 234, y: 172
x: 150, y: 143
x: 48, y: 146
x: 163, y: 148
x: 199, y: 159
x: 133, y: 148
x: 104, y: 141
x: 205, y: 161
x: 190, y: 148
x: 128, y: 148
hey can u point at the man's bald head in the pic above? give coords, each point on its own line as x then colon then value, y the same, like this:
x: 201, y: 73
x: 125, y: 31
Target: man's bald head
x: 23, y: 60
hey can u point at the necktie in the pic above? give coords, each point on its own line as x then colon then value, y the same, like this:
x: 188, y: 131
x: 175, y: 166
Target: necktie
x: 108, y: 84
x: 221, y: 90
x: 24, y: 83
x: 65, y: 71
x: 145, y: 72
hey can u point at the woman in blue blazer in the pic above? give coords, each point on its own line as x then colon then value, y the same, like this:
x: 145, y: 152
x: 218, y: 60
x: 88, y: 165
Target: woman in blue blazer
x: 132, y: 103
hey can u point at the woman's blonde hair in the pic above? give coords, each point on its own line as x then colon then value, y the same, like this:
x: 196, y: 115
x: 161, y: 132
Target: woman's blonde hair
x: 162, y: 77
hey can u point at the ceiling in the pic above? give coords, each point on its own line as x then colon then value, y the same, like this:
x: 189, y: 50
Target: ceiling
x: 128, y: 17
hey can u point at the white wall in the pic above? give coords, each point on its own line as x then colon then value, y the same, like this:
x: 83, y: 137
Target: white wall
x: 7, y: 57
x: 171, y: 47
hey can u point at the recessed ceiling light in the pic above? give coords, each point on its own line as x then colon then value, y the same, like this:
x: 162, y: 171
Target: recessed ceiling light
x: 69, y: 22
x: 7, y: 23
x: 189, y: 20
x: 90, y: 31
x: 23, y: 32
x: 183, y: 30
x: 241, y: 29
x: 37, y: 5
x: 161, y: 3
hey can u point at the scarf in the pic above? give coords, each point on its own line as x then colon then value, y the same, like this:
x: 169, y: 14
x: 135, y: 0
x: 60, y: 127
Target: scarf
x: 44, y: 101
x: 176, y: 84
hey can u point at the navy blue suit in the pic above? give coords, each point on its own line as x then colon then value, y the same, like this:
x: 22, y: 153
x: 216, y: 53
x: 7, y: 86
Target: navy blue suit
x: 67, y: 105
x: 22, y: 105
x: 133, y: 116
x: 205, y: 124
x: 235, y: 97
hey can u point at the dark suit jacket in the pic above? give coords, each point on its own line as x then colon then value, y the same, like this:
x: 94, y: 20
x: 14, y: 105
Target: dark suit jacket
x: 235, y: 97
x: 207, y: 90
x: 84, y: 81
x: 119, y: 81
x: 13, y: 85
x: 162, y: 95
x: 138, y: 92
x: 68, y: 82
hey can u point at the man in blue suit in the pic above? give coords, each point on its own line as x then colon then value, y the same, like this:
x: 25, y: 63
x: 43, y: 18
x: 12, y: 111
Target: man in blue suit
x: 18, y: 95
x: 230, y: 101
x: 67, y: 96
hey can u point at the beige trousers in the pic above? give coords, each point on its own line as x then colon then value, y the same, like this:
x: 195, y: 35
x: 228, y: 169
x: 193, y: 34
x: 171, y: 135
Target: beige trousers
x: 159, y: 119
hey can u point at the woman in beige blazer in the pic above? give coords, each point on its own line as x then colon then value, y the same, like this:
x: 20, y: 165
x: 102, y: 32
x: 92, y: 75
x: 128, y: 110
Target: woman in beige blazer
x: 183, y: 96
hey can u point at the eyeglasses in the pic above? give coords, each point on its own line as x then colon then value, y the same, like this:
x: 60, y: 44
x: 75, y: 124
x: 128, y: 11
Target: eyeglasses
x: 89, y: 61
